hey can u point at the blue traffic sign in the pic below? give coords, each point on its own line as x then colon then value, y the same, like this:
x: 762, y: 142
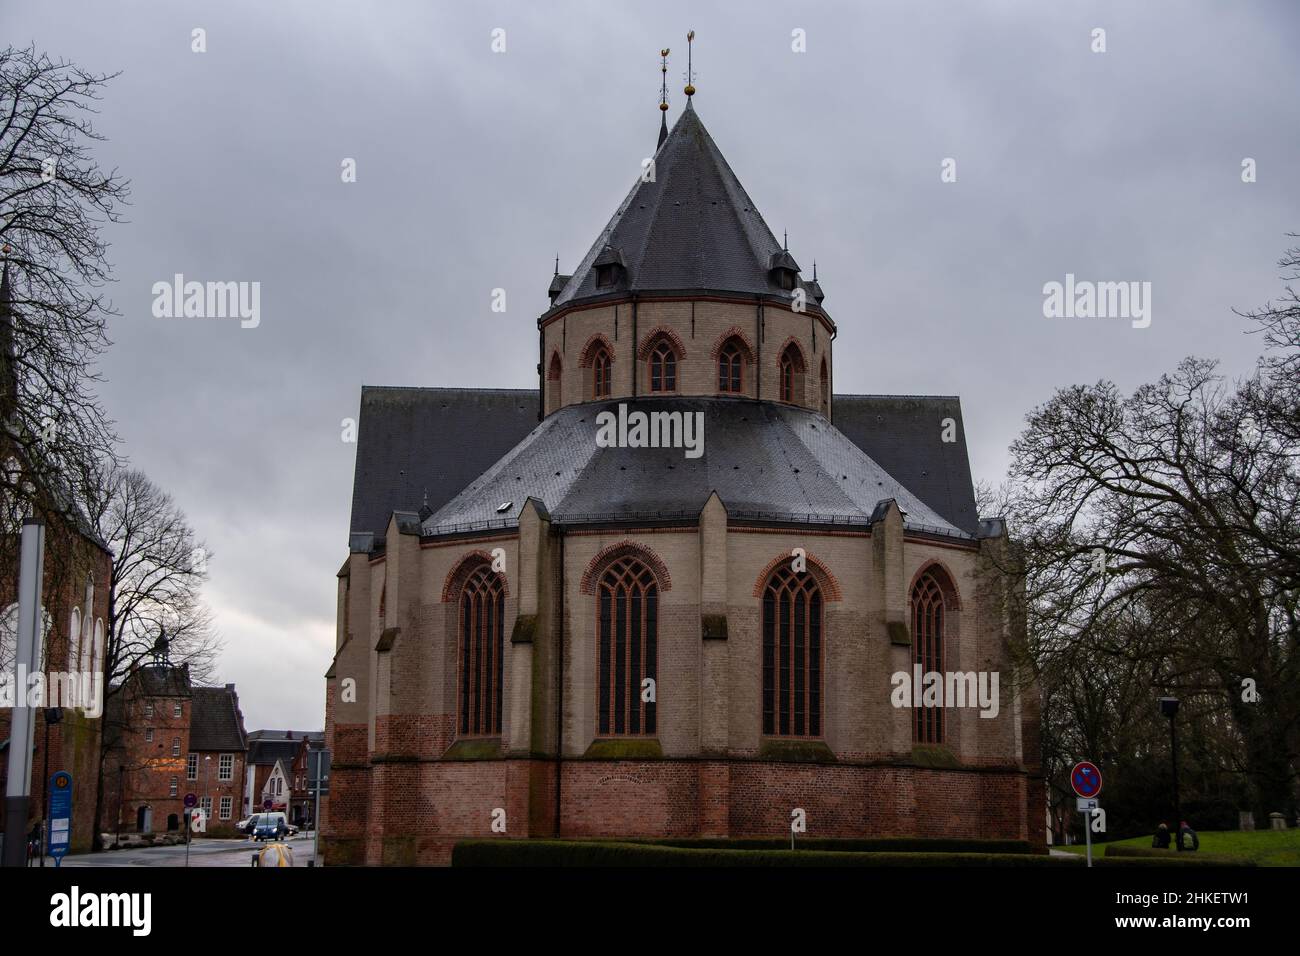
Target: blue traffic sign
x: 1085, y: 778
x: 60, y: 815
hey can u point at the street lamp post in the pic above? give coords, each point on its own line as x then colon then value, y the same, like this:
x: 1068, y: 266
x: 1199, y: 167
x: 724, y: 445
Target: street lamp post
x: 1169, y: 708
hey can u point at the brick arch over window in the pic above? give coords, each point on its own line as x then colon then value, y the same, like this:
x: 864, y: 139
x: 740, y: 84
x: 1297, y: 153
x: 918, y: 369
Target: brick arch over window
x: 934, y: 605
x: 737, y: 333
x: 658, y: 334
x: 589, y: 349
x: 826, y: 580
x: 624, y: 549
x: 461, y: 571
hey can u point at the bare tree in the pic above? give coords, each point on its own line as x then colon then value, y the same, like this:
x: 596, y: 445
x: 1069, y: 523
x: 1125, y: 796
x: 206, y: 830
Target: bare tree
x: 1162, y: 529
x: 159, y: 567
x: 54, y: 198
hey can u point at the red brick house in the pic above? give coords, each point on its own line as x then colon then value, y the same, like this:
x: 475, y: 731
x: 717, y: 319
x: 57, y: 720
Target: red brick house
x: 167, y: 738
x: 278, y: 771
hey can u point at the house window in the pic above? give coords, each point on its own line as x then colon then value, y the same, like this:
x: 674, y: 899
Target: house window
x: 148, y: 711
x: 226, y: 770
x: 792, y: 655
x: 663, y: 368
x: 626, y: 647
x: 174, y: 787
x: 482, y: 630
x: 605, y: 276
x: 929, y: 618
x: 227, y: 805
x: 176, y: 746
x: 601, y: 371
x: 192, y: 767
x: 148, y: 735
x: 206, y: 804
x: 176, y: 710
x: 730, y: 369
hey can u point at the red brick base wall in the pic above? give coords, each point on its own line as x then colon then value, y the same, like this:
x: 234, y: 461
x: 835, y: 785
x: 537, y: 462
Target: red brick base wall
x: 408, y: 812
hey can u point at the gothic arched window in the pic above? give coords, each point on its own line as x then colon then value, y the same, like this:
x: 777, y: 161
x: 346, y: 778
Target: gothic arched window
x: 791, y: 366
x: 601, y: 366
x: 663, y: 368
x: 482, y: 642
x: 627, y: 599
x: 824, y: 390
x: 731, y: 365
x: 930, y: 607
x: 792, y: 655
x: 554, y: 377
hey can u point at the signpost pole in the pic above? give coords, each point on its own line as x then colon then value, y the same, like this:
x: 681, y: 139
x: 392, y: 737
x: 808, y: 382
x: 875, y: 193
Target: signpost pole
x: 1087, y: 832
x: 27, y: 659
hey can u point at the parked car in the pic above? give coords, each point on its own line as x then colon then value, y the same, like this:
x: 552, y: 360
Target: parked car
x: 243, y: 825
x: 270, y: 826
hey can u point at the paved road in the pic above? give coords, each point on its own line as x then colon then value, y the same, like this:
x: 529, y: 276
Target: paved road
x: 203, y: 852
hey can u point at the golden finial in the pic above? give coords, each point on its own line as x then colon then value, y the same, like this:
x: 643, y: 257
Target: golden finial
x: 663, y: 90
x: 690, y: 87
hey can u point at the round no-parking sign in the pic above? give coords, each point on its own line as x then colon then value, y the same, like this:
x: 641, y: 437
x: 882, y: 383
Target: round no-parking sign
x: 1085, y: 778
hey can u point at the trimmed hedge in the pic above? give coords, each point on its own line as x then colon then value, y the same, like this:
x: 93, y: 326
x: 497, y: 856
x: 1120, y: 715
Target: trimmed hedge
x: 1174, y: 857
x: 600, y: 853
x: 840, y: 845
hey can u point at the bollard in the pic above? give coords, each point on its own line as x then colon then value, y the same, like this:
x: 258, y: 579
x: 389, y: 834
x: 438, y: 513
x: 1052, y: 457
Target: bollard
x: 254, y: 859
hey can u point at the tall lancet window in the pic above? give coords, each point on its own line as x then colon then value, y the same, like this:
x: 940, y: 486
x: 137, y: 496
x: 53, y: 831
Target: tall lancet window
x: 482, y: 640
x: 627, y: 651
x: 790, y: 366
x: 601, y: 373
x: 931, y: 603
x: 554, y: 379
x: 663, y: 368
x: 731, y: 365
x: 792, y: 655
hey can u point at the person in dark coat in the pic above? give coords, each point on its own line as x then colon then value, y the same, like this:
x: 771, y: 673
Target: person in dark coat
x: 1187, y: 838
x: 1161, y: 840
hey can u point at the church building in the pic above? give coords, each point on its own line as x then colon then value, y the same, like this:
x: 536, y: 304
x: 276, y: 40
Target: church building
x: 683, y: 589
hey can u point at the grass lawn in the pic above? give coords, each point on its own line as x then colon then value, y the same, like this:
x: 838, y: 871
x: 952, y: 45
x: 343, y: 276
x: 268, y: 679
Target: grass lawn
x: 1265, y: 847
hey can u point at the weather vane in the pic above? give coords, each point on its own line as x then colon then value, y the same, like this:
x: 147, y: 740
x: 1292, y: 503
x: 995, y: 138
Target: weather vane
x: 690, y: 76
x: 663, y: 89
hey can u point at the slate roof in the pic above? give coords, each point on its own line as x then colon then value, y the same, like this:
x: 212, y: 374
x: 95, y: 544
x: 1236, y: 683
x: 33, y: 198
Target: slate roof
x: 767, y: 461
x: 693, y: 228
x: 215, y: 720
x: 415, y: 438
x: 414, y: 442
x: 905, y: 434
x: 268, y: 746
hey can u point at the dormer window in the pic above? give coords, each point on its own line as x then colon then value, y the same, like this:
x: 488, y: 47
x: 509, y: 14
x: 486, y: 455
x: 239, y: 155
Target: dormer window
x: 783, y: 270
x: 609, y: 267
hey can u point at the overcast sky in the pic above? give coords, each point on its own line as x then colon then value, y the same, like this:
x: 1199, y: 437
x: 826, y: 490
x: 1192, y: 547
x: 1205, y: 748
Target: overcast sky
x: 475, y: 168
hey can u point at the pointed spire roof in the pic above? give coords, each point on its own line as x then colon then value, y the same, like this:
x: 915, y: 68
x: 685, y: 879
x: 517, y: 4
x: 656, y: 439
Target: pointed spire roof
x: 692, y: 229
